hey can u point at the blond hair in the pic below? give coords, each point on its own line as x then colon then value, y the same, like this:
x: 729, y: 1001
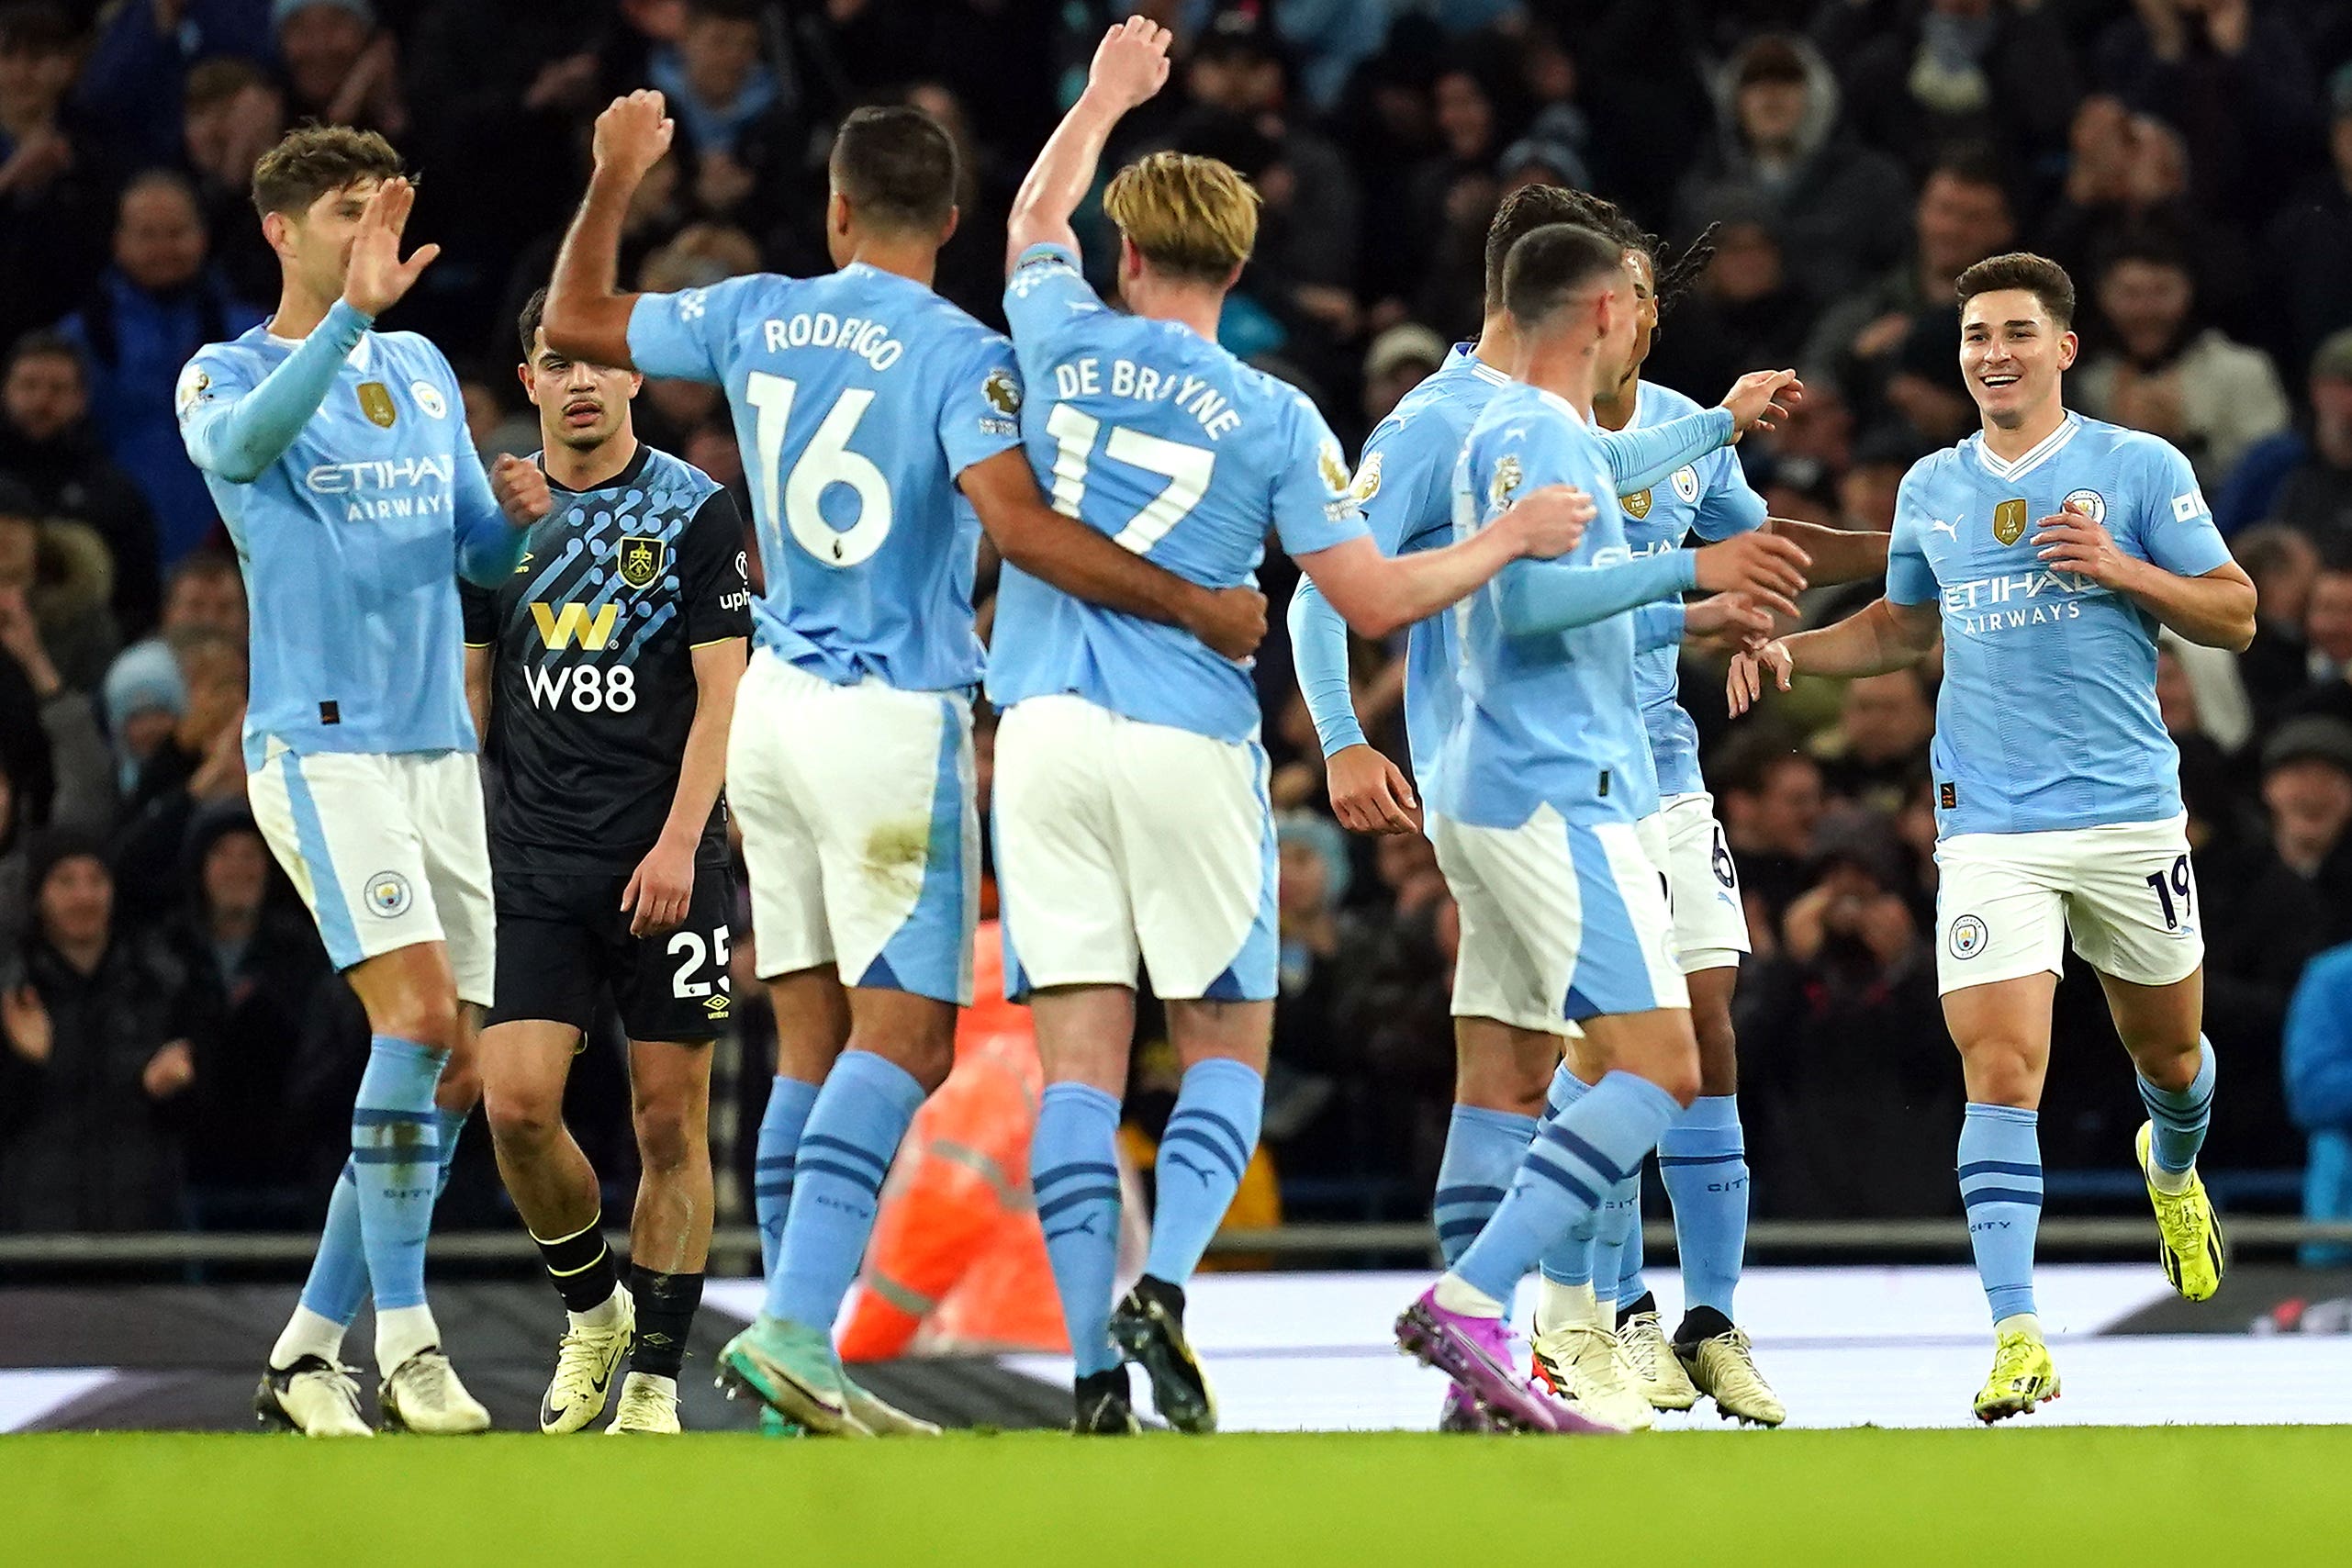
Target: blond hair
x: 1188, y: 216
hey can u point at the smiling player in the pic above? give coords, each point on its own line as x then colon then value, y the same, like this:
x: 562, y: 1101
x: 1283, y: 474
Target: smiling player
x: 2047, y: 549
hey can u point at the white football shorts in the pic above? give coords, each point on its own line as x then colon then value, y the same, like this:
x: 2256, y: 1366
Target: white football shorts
x: 2126, y: 893
x: 1120, y: 842
x: 1703, y: 882
x: 1559, y: 922
x: 860, y: 835
x: 388, y: 851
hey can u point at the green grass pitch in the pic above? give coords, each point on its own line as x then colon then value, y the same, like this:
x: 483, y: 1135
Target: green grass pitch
x: 2202, y: 1497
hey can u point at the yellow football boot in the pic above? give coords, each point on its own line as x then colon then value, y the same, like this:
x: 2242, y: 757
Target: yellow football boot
x: 2193, y: 1253
x: 2022, y: 1378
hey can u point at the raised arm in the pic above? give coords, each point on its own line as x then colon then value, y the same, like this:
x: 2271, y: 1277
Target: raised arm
x: 238, y: 434
x: 1130, y: 65
x: 1086, y: 563
x: 1641, y: 457
x: 588, y: 316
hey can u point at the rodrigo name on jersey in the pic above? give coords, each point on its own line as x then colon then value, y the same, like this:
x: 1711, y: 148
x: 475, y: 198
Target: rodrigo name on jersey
x: 858, y: 398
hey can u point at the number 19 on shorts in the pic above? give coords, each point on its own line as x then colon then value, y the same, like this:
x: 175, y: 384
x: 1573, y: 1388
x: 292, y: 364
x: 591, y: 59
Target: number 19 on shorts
x: 2176, y: 894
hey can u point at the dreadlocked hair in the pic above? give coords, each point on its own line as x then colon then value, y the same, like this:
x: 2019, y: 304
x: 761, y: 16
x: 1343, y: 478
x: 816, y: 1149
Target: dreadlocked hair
x: 1674, y: 272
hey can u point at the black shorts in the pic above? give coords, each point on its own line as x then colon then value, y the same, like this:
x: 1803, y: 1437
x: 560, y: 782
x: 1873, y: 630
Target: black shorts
x: 561, y: 937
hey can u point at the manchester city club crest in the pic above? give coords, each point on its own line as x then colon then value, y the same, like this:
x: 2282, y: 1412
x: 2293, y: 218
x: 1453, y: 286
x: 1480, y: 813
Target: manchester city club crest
x: 2008, y: 520
x: 1686, y: 483
x: 1637, y: 505
x: 375, y: 402
x: 2089, y: 503
x: 640, y: 560
x: 1968, y: 938
x: 389, y: 894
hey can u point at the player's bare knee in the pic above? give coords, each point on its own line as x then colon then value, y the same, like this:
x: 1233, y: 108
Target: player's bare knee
x: 424, y: 1015
x: 460, y: 1087
x: 2002, y: 1070
x: 921, y: 1041
x: 524, y: 1118
x: 2169, y: 1063
x: 1678, y: 1076
x: 668, y: 1134
x: 1501, y: 1080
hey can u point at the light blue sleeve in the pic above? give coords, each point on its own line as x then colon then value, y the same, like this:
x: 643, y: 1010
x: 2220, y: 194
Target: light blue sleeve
x: 1313, y: 510
x: 237, y: 433
x: 1640, y: 458
x: 1319, y: 658
x: 488, y: 545
x: 1535, y: 596
x: 1909, y: 579
x: 1045, y: 299
x: 1728, y: 505
x: 980, y: 405
x: 2173, y: 524
x: 678, y: 337
x: 1658, y: 625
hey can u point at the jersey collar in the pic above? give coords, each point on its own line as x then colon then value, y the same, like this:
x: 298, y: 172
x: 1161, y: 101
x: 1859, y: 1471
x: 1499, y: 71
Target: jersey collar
x: 2043, y: 451
x: 1465, y: 357
x: 630, y: 471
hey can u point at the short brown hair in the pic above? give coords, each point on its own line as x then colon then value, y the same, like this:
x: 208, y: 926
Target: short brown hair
x: 316, y: 159
x: 2038, y: 276
x: 897, y: 166
x: 527, y: 325
x: 1188, y: 216
x: 1522, y: 212
x: 1548, y: 267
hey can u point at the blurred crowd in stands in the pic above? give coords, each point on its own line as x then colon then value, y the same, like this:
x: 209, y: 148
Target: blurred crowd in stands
x: 173, y: 1048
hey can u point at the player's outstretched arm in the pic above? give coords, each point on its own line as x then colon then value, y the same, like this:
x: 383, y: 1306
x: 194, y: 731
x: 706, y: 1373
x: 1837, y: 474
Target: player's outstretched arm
x: 1558, y: 597
x: 1130, y: 65
x: 1378, y: 593
x: 662, y: 886
x: 1839, y: 555
x: 1369, y: 792
x: 1886, y: 636
x: 1066, y: 553
x: 588, y: 317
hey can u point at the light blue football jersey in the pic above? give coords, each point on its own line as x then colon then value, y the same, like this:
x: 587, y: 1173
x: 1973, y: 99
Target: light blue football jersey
x: 350, y: 543
x: 1148, y: 433
x: 858, y: 399
x: 1711, y: 498
x: 1552, y: 718
x: 2047, y: 716
x: 1404, y: 485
